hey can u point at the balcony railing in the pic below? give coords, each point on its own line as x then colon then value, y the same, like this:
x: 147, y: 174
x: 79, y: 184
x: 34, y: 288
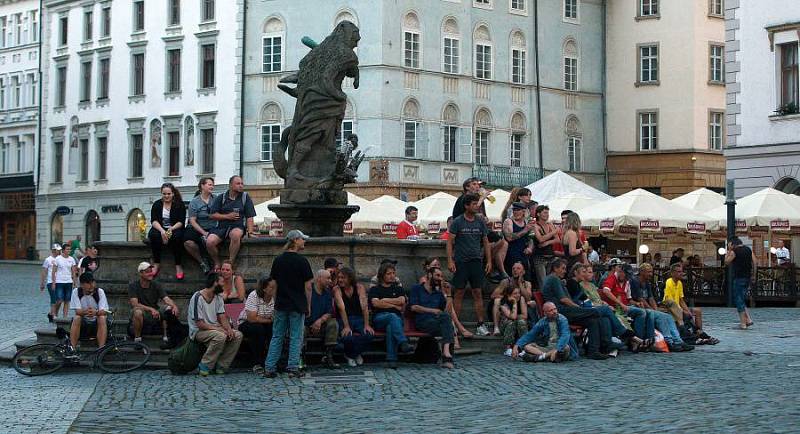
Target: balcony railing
x: 507, y: 177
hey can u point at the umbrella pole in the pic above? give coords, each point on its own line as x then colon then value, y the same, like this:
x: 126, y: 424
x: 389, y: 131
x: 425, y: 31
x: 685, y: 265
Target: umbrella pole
x: 769, y: 250
x: 638, y: 243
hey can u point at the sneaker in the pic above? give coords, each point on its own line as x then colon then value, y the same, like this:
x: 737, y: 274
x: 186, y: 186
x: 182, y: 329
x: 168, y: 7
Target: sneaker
x: 496, y: 331
x: 71, y: 354
x: 391, y: 364
x: 329, y: 362
x: 687, y: 347
x: 530, y: 358
x: 296, y: 374
x: 258, y: 369
x: 302, y: 365
x: 521, y: 354
x: 405, y: 348
x: 351, y: 362
x: 270, y: 374
x: 614, y: 353
x: 49, y: 317
x: 203, y: 370
x: 165, y: 343
x: 675, y: 348
x: 220, y: 371
x: 139, y: 339
x: 359, y: 360
x: 507, y: 352
x: 482, y: 330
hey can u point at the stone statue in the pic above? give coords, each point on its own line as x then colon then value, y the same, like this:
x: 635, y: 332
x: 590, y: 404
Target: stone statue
x: 315, y: 171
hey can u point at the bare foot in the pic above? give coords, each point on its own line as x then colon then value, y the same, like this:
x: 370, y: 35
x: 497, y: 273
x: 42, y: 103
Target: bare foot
x: 467, y: 334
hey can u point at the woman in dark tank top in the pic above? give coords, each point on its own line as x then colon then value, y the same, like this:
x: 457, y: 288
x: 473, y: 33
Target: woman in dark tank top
x: 573, y: 250
x: 353, y: 315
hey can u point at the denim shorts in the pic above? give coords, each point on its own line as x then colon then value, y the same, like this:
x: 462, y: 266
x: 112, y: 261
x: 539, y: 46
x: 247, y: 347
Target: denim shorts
x: 63, y: 291
x: 52, y: 292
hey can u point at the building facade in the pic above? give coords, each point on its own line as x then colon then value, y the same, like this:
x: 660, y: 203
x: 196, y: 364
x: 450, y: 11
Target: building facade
x: 137, y: 93
x: 448, y: 89
x: 665, y: 95
x: 19, y: 105
x: 763, y: 148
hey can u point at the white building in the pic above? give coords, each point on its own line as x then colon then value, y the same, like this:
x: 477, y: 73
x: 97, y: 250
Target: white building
x: 138, y: 93
x: 19, y: 101
x: 763, y: 147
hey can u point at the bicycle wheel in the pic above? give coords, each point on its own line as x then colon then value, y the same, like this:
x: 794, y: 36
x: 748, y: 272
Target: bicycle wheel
x: 39, y: 359
x: 123, y: 357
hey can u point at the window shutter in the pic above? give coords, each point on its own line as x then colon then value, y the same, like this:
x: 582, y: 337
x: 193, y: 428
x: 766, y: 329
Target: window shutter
x: 465, y: 145
x: 422, y: 140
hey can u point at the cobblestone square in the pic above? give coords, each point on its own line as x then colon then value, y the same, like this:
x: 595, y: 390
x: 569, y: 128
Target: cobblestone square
x: 748, y: 382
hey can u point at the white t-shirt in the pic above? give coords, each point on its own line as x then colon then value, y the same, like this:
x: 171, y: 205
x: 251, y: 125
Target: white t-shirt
x: 165, y: 223
x: 48, y: 265
x: 256, y: 304
x: 783, y: 255
x: 64, y: 268
x: 88, y: 301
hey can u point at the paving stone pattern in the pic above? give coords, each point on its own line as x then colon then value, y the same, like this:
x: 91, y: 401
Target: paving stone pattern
x: 747, y: 382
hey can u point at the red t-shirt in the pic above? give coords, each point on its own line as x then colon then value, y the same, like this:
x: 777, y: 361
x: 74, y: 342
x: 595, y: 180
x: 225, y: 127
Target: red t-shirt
x: 406, y: 229
x: 620, y: 290
x: 445, y: 235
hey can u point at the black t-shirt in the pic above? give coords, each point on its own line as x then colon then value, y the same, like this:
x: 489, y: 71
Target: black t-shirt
x: 575, y: 291
x: 149, y: 296
x: 380, y: 291
x: 743, y: 262
x: 223, y: 204
x: 89, y: 264
x: 675, y: 260
x: 291, y: 271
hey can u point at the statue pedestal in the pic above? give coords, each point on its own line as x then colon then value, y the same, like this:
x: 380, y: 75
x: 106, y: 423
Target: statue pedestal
x: 314, y: 220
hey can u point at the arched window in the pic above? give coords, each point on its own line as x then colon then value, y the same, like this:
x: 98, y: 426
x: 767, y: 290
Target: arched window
x: 574, y: 143
x: 92, y: 227
x: 570, y: 51
x: 412, y: 41
x: 451, y: 46
x: 788, y: 185
x: 412, y: 129
x: 518, y: 131
x: 270, y: 130
x: 450, y: 120
x: 57, y: 229
x: 483, y: 52
x: 348, y: 126
x: 518, y: 57
x: 137, y: 225
x: 272, y: 47
x: 483, y: 132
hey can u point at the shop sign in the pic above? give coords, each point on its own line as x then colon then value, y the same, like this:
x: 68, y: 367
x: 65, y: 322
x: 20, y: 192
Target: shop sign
x: 276, y: 224
x: 64, y: 210
x: 779, y: 225
x: 741, y: 225
x: 434, y: 228
x: 348, y: 227
x: 607, y: 225
x: 697, y: 228
x: 628, y: 230
x: 389, y: 229
x: 649, y: 225
x: 669, y: 231
x: 497, y: 226
x: 111, y: 209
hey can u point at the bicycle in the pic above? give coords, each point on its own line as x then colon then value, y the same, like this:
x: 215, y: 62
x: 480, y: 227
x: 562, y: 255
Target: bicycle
x: 116, y: 356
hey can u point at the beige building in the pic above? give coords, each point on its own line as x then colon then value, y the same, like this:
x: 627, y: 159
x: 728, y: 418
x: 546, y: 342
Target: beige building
x: 665, y: 87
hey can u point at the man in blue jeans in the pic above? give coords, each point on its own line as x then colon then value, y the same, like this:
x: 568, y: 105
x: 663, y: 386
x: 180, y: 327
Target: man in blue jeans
x: 643, y: 296
x: 388, y: 302
x: 293, y: 275
x: 743, y: 262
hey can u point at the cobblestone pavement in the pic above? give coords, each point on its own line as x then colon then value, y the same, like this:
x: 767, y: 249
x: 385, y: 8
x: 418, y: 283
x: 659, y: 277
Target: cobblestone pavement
x: 747, y: 382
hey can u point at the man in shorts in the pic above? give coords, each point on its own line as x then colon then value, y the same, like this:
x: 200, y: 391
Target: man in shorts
x: 233, y: 212
x: 469, y: 257
x: 90, y: 307
x: 47, y: 279
x: 147, y: 317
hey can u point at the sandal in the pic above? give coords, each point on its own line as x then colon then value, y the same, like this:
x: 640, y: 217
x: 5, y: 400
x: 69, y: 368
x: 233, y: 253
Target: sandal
x: 466, y: 334
x: 447, y: 363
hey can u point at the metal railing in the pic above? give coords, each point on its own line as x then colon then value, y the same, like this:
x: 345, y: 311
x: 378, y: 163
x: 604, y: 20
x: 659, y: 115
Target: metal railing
x: 507, y: 177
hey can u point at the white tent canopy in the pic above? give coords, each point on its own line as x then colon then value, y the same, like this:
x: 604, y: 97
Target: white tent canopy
x: 572, y: 201
x: 559, y: 184
x: 762, y: 207
x: 700, y: 200
x: 495, y: 211
x: 377, y: 212
x: 635, y: 206
x: 435, y: 208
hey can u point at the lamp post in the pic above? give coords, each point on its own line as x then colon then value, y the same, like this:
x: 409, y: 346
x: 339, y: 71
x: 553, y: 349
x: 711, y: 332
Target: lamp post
x: 730, y: 202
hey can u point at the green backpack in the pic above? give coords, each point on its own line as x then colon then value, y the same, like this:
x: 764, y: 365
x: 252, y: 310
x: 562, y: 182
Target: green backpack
x: 185, y: 358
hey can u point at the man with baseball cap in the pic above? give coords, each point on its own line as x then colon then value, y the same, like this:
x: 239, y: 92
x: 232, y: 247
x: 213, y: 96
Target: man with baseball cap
x: 146, y: 315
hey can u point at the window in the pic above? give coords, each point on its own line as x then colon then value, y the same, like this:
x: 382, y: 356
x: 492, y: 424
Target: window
x: 574, y: 153
x: 138, y: 15
x: 518, y: 66
x: 207, y: 150
x: 58, y: 161
x: 450, y: 142
x: 451, y: 55
x: 33, y: 90
x: 35, y: 26
x: 102, y: 157
x: 87, y: 25
x: 4, y: 156
x: 3, y: 24
x: 174, y: 70
x: 105, y: 27
x: 174, y: 153
x: 648, y: 131
x: 410, y: 138
x: 716, y: 8
x: 570, y: 73
x: 715, y: 130
x: 18, y: 30
x: 518, y: 5
x: 137, y: 225
x: 571, y: 10
x: 104, y: 75
x: 2, y: 93
x: 516, y: 149
x: 345, y: 131
x: 789, y: 74
x: 410, y: 49
x: 270, y: 137
x: 716, y: 68
x: 84, y: 161
x: 20, y: 156
x: 137, y: 155
x: 481, y: 146
x: 92, y: 227
x: 61, y: 86
x: 272, y: 54
x: 648, y: 8
x: 648, y: 64
x: 138, y: 74
x: 483, y: 61
x: 208, y: 10
x: 174, y: 12
x: 207, y: 78
x: 16, y: 95
x: 63, y: 30
x: 86, y: 81
x: 482, y: 3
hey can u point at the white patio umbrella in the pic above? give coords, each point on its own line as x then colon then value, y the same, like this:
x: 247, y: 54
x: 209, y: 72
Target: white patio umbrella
x: 495, y: 211
x: 635, y: 206
x: 761, y: 208
x: 572, y: 201
x: 377, y: 212
x: 701, y: 200
x: 435, y: 208
x: 558, y: 184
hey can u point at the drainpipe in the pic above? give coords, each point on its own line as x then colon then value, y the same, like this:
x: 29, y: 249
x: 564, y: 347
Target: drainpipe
x: 39, y: 109
x: 241, y: 89
x: 538, y: 85
x: 605, y: 93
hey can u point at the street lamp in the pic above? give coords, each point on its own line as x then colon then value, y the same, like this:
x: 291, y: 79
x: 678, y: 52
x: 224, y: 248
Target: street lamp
x: 644, y: 249
x: 722, y: 251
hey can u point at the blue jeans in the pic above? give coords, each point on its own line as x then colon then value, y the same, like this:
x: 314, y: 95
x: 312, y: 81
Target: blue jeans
x: 356, y: 343
x: 740, y: 285
x: 392, y: 323
x: 281, y: 321
x: 666, y: 325
x: 640, y: 325
x: 617, y: 328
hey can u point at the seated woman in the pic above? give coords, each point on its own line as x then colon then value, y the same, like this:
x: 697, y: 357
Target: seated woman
x: 513, y: 317
x: 233, y: 283
x: 255, y: 321
x: 350, y: 298
x: 517, y: 280
x: 167, y: 219
x: 448, y: 292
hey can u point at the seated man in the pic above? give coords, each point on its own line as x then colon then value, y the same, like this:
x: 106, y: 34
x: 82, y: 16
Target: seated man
x: 642, y: 296
x: 209, y: 325
x: 233, y: 211
x: 90, y: 306
x: 388, y: 303
x: 147, y: 317
x: 430, y: 306
x: 553, y: 291
x: 320, y: 321
x: 675, y: 302
x: 616, y: 292
x: 549, y: 339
